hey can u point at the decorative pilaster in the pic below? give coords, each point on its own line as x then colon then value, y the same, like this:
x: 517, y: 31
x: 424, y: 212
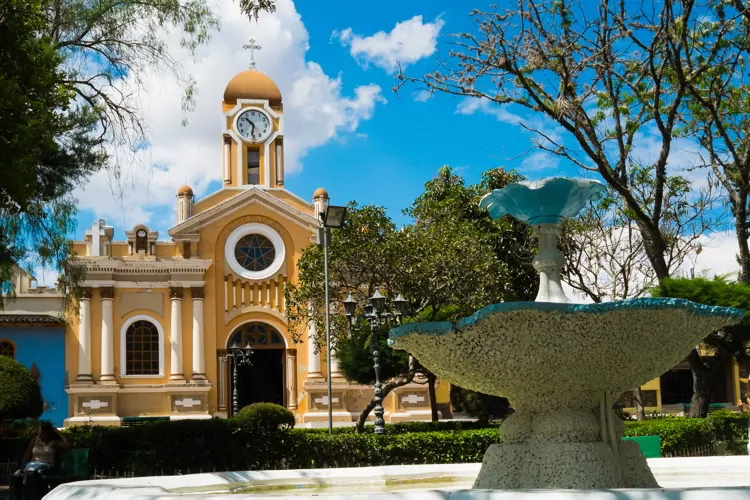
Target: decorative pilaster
x: 227, y: 159
x: 107, y: 295
x: 84, y: 337
x: 176, y: 374
x: 313, y: 354
x: 291, y: 379
x: 199, y: 356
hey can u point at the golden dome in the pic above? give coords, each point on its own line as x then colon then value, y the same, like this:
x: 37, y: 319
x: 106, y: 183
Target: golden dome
x: 252, y: 84
x: 320, y: 193
x: 185, y: 190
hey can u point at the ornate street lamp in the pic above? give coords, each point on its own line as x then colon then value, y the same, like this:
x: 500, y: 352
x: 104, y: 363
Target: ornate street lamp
x: 332, y: 218
x: 377, y: 315
x: 239, y: 356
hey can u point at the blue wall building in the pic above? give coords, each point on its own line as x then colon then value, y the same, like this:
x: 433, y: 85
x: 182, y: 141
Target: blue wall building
x: 32, y: 332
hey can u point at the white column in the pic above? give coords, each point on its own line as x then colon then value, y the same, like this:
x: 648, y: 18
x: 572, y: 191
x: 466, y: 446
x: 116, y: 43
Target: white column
x: 175, y: 295
x: 84, y: 337
x: 313, y: 355
x: 335, y: 370
x: 108, y: 357
x: 199, y: 359
x: 227, y: 160
x: 291, y: 379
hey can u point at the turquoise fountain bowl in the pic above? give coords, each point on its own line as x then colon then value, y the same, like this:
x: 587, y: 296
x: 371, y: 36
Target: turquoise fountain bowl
x: 529, y: 350
x: 546, y: 201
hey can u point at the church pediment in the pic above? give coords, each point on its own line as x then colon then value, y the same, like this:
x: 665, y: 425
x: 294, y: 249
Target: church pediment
x: 188, y: 228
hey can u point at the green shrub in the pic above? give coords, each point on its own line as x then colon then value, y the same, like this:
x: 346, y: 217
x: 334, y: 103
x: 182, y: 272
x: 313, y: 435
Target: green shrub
x: 677, y: 433
x: 728, y: 425
x: 20, y: 396
x: 227, y: 445
x: 266, y: 417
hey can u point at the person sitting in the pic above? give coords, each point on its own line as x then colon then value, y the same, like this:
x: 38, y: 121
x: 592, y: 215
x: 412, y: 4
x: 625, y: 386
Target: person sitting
x: 41, y: 457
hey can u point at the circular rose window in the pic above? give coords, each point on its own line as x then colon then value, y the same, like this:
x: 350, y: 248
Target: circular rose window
x: 254, y: 251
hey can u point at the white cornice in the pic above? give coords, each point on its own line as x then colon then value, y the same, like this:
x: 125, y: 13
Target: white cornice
x: 239, y: 202
x: 144, y: 266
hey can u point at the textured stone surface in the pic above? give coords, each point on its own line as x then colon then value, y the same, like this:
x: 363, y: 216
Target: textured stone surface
x: 694, y: 478
x: 561, y: 366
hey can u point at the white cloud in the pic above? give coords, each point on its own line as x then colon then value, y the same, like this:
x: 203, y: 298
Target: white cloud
x: 316, y: 112
x: 535, y: 123
x: 423, y: 95
x: 408, y: 42
x: 718, y: 256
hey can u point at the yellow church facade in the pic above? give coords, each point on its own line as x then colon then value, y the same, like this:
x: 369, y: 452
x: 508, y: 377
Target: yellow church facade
x: 150, y: 334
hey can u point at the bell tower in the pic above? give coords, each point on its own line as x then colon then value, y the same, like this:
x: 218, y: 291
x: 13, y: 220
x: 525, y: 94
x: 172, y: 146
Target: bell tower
x: 253, y: 137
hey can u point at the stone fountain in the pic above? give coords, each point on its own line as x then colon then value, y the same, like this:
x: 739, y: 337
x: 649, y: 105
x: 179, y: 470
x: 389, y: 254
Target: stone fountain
x: 561, y: 365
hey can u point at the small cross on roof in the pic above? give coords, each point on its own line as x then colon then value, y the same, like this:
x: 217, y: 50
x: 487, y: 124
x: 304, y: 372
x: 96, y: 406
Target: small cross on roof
x: 252, y: 46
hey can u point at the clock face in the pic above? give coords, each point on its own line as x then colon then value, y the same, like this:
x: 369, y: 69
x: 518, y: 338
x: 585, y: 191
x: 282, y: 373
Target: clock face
x: 254, y: 125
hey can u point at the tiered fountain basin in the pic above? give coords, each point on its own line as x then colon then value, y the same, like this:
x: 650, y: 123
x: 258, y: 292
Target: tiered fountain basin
x: 562, y: 366
x: 699, y: 478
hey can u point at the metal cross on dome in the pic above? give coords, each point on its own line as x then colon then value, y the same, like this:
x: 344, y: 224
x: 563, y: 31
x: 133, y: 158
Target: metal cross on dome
x: 252, y: 46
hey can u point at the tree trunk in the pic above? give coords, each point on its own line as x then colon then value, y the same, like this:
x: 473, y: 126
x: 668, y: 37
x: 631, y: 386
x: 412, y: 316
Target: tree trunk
x: 701, y: 386
x: 387, y: 388
x: 640, y: 414
x: 431, y: 380
x: 744, y: 250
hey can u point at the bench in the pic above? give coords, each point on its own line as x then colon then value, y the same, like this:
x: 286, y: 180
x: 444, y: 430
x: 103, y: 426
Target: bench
x: 73, y: 466
x: 650, y: 445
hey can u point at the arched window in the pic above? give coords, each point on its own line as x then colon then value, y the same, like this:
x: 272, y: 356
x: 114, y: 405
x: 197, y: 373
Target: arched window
x: 142, y: 355
x: 141, y: 241
x: 257, y: 334
x: 7, y: 349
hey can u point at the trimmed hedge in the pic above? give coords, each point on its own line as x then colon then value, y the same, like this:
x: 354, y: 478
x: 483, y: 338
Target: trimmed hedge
x: 229, y: 445
x: 676, y: 433
x: 226, y: 445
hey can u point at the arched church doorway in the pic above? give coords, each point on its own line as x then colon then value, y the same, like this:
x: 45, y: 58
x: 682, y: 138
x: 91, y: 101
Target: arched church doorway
x: 262, y: 380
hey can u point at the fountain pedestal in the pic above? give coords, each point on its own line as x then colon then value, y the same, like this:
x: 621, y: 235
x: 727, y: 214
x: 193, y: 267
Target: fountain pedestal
x: 563, y: 444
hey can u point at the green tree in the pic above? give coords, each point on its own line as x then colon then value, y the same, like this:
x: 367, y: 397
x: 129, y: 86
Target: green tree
x: 728, y: 342
x: 47, y: 143
x: 714, y: 67
x: 451, y: 260
x: 599, y: 73
x: 20, y: 396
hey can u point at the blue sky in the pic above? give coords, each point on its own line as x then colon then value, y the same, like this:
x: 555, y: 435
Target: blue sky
x: 387, y: 158
x: 346, y: 130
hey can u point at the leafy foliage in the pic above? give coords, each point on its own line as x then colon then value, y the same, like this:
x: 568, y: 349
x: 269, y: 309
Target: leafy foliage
x: 449, y: 261
x: 715, y: 292
x: 729, y: 341
x: 589, y: 80
x: 676, y: 433
x: 222, y: 444
x: 47, y: 142
x: 266, y: 418
x: 20, y: 396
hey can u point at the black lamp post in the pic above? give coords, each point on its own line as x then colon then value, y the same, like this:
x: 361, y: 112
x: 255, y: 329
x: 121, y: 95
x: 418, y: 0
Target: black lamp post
x: 376, y: 315
x: 332, y: 218
x: 239, y: 356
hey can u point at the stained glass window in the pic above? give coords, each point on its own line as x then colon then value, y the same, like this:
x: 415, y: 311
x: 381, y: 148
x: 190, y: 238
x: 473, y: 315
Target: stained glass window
x: 254, y: 252
x: 142, y: 349
x: 257, y: 334
x: 7, y: 349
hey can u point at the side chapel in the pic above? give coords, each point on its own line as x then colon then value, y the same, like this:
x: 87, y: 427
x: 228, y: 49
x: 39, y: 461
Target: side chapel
x: 150, y: 335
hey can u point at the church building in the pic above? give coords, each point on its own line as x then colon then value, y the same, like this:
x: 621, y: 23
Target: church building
x: 150, y: 334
